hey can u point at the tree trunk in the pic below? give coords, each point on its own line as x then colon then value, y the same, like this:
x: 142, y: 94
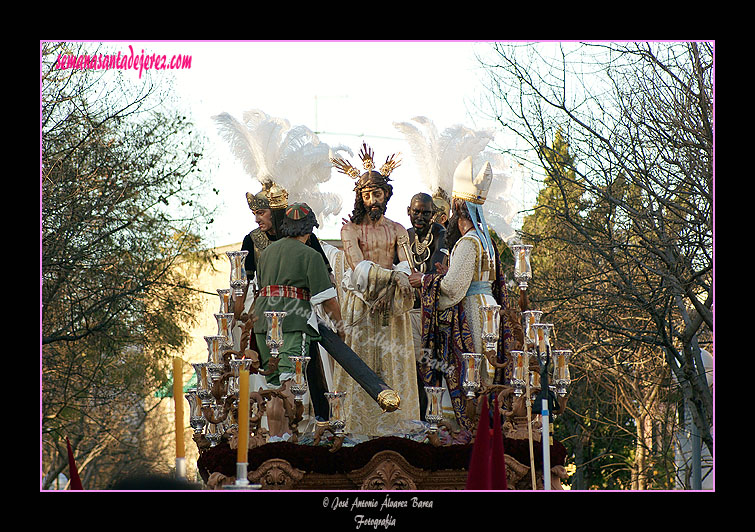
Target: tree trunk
x: 642, y: 452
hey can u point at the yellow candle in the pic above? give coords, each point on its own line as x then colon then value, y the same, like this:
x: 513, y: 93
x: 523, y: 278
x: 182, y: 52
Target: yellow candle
x: 522, y: 262
x: 520, y: 371
x: 541, y: 340
x: 561, y: 366
x: 299, y: 376
x: 530, y: 328
x: 243, y: 440
x: 178, y: 398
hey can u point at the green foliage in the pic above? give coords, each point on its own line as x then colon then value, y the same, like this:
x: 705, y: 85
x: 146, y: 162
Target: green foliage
x: 119, y: 212
x: 506, y: 255
x: 622, y: 231
x: 598, y: 427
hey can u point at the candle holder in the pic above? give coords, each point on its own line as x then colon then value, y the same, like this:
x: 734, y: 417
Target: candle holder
x: 522, y: 265
x: 238, y: 272
x: 274, y: 336
x: 336, y: 419
x: 491, y: 325
x: 204, y: 385
x: 225, y: 327
x: 542, y: 343
x: 521, y: 371
x: 200, y: 369
x: 299, y: 384
x: 233, y: 382
x: 534, y: 383
x: 547, y: 363
x: 237, y: 364
x: 213, y: 434
x: 531, y: 317
x: 226, y: 304
x: 196, y: 418
x: 336, y: 423
x: 434, y: 414
x: 215, y: 346
x: 471, y: 381
x: 561, y: 376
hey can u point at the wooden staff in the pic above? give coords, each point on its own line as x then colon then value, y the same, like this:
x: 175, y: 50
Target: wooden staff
x: 529, y: 431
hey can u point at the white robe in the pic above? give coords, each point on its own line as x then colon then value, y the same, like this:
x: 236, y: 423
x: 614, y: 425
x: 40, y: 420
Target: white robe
x: 385, y: 346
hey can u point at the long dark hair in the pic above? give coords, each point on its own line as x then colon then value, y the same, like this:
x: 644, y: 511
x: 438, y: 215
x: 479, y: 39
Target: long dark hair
x: 458, y: 210
x: 276, y: 217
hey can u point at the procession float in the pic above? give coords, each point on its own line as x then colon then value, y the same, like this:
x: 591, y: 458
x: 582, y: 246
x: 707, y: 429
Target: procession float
x: 507, y: 441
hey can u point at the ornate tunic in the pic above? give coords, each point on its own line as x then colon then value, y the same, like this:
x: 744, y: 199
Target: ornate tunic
x: 451, y: 321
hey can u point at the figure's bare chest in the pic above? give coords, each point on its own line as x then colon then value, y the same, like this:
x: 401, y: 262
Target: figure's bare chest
x: 377, y: 243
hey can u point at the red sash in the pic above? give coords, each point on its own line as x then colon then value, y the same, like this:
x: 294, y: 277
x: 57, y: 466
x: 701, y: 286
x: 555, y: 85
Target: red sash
x: 279, y: 290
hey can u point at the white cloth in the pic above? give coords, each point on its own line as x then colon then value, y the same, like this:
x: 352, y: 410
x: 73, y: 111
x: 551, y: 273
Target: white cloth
x: 336, y: 259
x: 315, y: 300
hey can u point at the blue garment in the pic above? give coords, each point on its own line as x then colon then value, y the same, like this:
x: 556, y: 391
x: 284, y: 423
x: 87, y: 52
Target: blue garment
x: 480, y: 227
x: 480, y: 287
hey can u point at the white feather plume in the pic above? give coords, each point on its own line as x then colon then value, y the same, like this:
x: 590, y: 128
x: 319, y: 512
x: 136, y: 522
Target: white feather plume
x: 270, y: 150
x: 424, y: 148
x: 246, y: 144
x: 437, y: 156
x: 500, y: 207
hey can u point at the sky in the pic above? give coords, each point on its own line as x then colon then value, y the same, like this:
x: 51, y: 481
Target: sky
x: 346, y: 91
